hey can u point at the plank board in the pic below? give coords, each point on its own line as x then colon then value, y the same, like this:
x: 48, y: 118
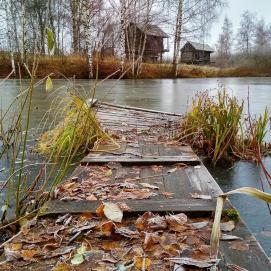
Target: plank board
x: 252, y: 259
x: 134, y: 160
x: 136, y: 206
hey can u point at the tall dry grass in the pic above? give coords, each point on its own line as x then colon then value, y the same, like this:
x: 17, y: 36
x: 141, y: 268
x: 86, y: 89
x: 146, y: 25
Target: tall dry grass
x: 76, y: 66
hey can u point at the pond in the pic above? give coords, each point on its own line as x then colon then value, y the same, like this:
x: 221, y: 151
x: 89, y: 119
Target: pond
x: 174, y: 96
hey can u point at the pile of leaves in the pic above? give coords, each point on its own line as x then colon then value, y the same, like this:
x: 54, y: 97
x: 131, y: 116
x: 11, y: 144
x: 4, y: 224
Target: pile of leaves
x: 106, y: 241
x: 95, y: 242
x: 111, y: 182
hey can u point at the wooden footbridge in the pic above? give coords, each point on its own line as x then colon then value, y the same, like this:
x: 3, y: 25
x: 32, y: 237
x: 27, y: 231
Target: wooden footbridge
x: 149, y: 154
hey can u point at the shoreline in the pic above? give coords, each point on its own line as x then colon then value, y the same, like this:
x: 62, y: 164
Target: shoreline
x: 76, y: 66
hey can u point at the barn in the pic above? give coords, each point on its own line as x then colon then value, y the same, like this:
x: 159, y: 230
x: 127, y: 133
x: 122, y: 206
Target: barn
x: 196, y: 53
x: 148, y: 38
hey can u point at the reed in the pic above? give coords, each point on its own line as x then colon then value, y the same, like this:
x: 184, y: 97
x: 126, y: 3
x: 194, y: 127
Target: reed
x: 218, y: 128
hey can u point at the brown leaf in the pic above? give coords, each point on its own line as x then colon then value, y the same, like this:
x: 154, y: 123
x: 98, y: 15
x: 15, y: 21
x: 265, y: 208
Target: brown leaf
x: 62, y: 267
x: 29, y: 254
x: 68, y: 186
x: 176, y: 222
x: 85, y: 216
x: 91, y: 198
x: 150, y: 240
x: 239, y: 245
x: 108, y: 228
x: 168, y: 195
x: 197, y: 196
x: 146, y: 185
x: 123, y: 206
x: 142, y: 263
x: 157, y: 223
x: 100, y: 211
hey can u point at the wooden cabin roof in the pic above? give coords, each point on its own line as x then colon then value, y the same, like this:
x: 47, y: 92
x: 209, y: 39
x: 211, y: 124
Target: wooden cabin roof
x: 152, y: 30
x: 201, y: 47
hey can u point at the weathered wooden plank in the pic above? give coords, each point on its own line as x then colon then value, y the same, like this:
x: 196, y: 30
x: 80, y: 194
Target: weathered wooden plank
x: 146, y: 176
x: 178, y: 183
x: 136, y: 206
x: 131, y: 108
x: 202, y: 181
x: 144, y: 160
x: 252, y: 259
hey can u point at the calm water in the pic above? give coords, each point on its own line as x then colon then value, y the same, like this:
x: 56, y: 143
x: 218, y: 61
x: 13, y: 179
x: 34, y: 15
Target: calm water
x: 174, y: 96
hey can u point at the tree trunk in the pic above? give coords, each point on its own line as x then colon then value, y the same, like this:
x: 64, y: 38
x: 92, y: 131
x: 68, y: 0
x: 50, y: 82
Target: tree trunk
x: 177, y: 38
x: 122, y: 33
x: 87, y: 18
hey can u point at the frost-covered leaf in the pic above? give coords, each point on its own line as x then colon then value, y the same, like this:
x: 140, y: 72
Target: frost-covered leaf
x: 77, y: 259
x: 113, y: 212
x: 228, y: 226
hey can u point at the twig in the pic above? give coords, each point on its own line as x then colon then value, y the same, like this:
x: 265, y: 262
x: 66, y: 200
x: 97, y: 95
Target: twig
x: 9, y: 240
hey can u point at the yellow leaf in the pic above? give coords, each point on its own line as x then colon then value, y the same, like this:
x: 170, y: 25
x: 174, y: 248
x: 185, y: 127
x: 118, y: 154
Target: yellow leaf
x: 252, y: 192
x: 49, y: 84
x: 142, y: 263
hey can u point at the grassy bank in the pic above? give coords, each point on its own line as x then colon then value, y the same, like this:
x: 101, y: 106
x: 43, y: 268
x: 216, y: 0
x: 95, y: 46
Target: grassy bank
x: 76, y: 65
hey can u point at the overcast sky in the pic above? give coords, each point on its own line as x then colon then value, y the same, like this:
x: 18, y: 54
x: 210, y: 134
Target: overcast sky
x: 234, y: 10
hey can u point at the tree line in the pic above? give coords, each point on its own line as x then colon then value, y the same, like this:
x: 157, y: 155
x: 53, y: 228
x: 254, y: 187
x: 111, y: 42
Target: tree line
x: 252, y: 37
x: 90, y: 26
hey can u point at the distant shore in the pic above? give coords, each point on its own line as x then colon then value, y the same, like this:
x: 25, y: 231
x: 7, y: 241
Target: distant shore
x: 76, y: 66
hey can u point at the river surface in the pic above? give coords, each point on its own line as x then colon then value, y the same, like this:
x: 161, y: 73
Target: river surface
x: 173, y: 96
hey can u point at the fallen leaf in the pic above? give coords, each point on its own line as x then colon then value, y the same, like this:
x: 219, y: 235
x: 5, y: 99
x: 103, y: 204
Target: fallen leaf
x: 157, y: 223
x: 199, y: 225
x: 79, y: 256
x: 197, y: 196
x: 59, y: 252
x: 195, y: 263
x: 100, y: 211
x: 126, y: 232
x: 172, y: 170
x: 150, y: 240
x: 85, y: 216
x: 227, y: 226
x: 29, y: 254
x: 107, y: 228
x: 146, y: 185
x: 226, y: 237
x: 168, y: 195
x: 113, y: 212
x: 123, y: 206
x: 235, y: 267
x: 142, y: 263
x: 67, y: 186
x: 108, y: 173
x: 91, y: 198
x: 239, y: 245
x: 62, y: 267
x: 77, y: 259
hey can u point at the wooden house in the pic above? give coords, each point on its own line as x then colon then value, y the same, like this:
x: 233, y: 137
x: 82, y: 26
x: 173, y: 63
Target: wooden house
x: 196, y: 53
x: 147, y: 36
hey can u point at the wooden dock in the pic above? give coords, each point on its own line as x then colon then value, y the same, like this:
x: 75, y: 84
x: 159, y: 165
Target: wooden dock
x: 169, y: 178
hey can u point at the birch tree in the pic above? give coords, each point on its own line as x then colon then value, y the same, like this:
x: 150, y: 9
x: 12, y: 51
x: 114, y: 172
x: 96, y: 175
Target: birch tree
x: 177, y: 37
x: 246, y: 33
x: 225, y: 40
x: 123, y: 23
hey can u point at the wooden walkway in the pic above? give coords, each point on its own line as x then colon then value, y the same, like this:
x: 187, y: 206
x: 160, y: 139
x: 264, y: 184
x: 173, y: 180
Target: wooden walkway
x: 176, y: 178
x: 183, y: 183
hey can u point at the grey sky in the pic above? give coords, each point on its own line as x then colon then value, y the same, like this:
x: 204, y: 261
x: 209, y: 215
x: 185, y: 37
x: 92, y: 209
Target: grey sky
x: 234, y: 10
